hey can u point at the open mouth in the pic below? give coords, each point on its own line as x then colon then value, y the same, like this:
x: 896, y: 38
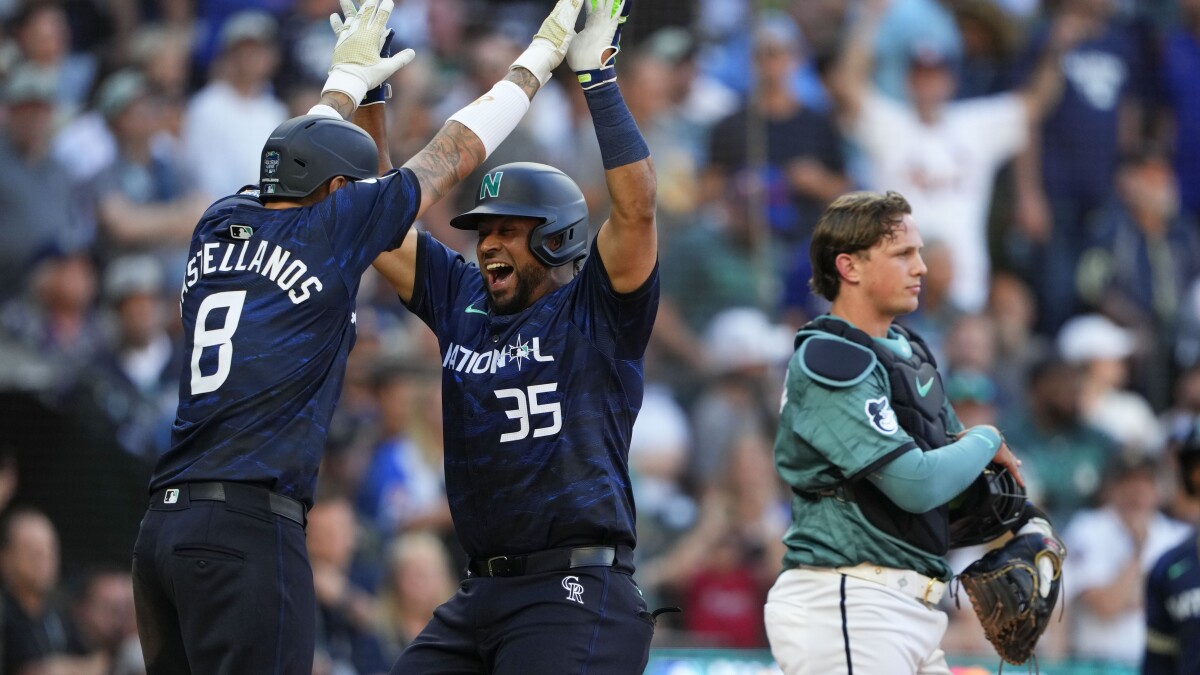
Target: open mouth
x: 498, y: 274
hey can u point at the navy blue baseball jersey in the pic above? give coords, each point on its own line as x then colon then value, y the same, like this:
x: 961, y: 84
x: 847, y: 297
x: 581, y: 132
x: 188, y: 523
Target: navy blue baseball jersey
x: 538, y: 406
x: 268, y: 302
x: 1173, y: 612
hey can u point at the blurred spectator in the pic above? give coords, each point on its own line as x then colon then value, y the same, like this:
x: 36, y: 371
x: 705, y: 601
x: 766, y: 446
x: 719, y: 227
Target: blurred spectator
x: 1102, y: 349
x: 403, y: 487
x: 989, y: 40
x: 937, y: 313
x: 43, y: 34
x: 140, y: 363
x: 973, y: 395
x: 746, y: 354
x: 418, y: 579
x: 1064, y: 457
x: 307, y: 40
x: 1177, y: 421
x: 698, y: 100
x: 1066, y: 171
x: 32, y: 222
x: 146, y: 202
x: 1111, y: 549
x: 941, y: 154
x: 1013, y: 313
x: 345, y: 638
x: 103, y: 620
x: 35, y: 632
x: 794, y: 151
x: 1181, y: 66
x: 231, y: 117
x: 905, y: 25
x: 57, y: 320
x: 1144, y: 256
x: 970, y: 345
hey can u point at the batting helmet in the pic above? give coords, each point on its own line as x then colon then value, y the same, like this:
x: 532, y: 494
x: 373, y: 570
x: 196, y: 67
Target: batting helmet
x: 534, y: 191
x: 304, y: 152
x: 988, y: 508
x: 1189, y: 458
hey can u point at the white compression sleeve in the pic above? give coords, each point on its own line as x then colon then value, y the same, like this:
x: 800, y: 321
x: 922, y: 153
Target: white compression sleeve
x: 494, y: 115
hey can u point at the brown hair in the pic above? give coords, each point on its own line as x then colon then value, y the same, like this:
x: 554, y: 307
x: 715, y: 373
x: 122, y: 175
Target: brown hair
x: 854, y: 222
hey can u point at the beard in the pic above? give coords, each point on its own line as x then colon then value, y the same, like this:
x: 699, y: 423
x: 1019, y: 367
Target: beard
x: 528, y: 278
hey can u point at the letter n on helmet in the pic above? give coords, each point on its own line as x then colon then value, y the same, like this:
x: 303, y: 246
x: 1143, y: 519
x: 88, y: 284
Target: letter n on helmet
x: 529, y: 190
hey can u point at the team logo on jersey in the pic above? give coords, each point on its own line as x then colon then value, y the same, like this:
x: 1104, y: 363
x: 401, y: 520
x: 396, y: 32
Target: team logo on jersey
x: 881, y: 416
x: 241, y: 231
x: 490, y: 187
x: 270, y: 163
x: 573, y: 588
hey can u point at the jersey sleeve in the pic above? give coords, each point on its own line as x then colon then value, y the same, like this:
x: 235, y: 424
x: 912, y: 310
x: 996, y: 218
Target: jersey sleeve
x: 441, y: 275
x: 1162, y: 646
x: 618, y: 323
x: 854, y: 427
x: 368, y: 217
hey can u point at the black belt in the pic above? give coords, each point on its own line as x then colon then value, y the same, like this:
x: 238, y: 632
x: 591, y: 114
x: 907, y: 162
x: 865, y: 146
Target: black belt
x: 552, y: 560
x: 281, y: 505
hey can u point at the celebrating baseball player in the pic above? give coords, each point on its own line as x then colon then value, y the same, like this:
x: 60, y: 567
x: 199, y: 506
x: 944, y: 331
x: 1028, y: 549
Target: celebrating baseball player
x: 875, y: 456
x: 221, y: 576
x: 1173, y: 587
x: 542, y: 376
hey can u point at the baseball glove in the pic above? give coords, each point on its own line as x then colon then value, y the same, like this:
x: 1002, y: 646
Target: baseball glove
x: 1014, y: 589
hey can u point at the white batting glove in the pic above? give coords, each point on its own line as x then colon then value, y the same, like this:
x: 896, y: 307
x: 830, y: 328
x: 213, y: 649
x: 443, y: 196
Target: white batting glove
x: 357, y: 65
x: 593, y: 52
x: 550, y: 44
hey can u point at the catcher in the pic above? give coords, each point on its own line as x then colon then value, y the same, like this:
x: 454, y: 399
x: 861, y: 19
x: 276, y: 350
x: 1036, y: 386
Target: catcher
x: 887, y: 480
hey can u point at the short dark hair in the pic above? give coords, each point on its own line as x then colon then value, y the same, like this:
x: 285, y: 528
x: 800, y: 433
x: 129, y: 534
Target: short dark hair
x: 854, y: 222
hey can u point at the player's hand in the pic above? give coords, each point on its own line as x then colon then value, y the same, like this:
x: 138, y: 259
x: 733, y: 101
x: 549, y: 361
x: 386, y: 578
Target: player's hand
x: 550, y: 43
x: 384, y: 91
x: 1004, y: 457
x: 593, y: 52
x: 357, y: 65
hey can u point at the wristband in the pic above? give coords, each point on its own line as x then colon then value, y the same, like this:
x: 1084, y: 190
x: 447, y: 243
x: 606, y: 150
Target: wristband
x: 493, y: 116
x: 620, y: 140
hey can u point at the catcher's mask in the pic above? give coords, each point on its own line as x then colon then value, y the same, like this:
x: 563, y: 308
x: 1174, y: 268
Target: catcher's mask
x: 537, y: 191
x: 988, y: 508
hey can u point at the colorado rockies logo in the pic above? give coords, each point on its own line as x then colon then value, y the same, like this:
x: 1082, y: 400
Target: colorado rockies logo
x: 574, y: 589
x: 883, y: 418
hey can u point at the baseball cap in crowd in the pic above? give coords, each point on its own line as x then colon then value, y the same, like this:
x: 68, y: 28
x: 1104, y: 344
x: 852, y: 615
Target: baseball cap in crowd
x: 249, y: 24
x: 743, y: 337
x: 130, y: 275
x: 1090, y: 337
x: 775, y: 29
x: 29, y: 84
x: 672, y: 44
x: 929, y: 54
x: 119, y: 90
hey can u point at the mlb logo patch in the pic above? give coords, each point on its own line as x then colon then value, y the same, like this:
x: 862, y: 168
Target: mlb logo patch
x: 241, y: 231
x: 171, y: 496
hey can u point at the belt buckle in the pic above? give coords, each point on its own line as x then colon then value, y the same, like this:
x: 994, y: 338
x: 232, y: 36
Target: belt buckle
x: 928, y: 589
x: 491, y: 572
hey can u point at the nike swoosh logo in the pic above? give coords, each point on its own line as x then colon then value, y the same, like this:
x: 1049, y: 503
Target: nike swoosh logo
x: 471, y: 309
x: 923, y: 389
x: 1178, y: 568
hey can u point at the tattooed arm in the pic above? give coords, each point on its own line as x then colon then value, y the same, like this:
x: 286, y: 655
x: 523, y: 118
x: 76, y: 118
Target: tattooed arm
x: 452, y: 155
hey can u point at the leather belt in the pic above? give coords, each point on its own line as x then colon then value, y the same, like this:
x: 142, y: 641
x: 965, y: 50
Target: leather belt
x: 926, y: 589
x: 552, y: 560
x: 280, y: 505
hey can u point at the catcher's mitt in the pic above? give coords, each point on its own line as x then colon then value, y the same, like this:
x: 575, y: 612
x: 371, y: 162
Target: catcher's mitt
x: 1014, y: 589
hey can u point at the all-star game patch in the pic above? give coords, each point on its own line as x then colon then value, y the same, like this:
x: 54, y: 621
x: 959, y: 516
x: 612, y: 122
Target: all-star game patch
x: 270, y: 163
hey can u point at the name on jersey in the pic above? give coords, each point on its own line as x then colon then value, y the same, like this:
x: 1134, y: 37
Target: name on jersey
x: 1185, y: 605
x: 271, y: 261
x: 461, y: 359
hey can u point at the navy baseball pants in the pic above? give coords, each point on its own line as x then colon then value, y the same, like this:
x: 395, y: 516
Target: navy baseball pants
x: 223, y: 587
x: 589, y: 620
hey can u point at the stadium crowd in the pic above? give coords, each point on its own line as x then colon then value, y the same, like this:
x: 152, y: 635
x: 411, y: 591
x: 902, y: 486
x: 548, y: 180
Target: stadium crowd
x: 1062, y: 299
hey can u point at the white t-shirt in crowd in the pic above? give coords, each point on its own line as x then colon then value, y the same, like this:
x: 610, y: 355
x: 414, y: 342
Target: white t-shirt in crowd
x: 945, y: 171
x: 224, y: 133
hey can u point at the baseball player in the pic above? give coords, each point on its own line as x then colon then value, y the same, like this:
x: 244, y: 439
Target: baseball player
x: 1173, y: 588
x: 874, y: 453
x: 542, y: 377
x: 221, y: 576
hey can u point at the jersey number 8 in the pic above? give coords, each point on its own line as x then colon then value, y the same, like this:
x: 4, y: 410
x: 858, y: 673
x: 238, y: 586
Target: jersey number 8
x: 220, y: 337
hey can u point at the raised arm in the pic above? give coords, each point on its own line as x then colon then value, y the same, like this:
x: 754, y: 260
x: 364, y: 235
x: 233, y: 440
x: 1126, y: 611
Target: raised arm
x: 1045, y: 86
x: 628, y: 240
x: 851, y: 77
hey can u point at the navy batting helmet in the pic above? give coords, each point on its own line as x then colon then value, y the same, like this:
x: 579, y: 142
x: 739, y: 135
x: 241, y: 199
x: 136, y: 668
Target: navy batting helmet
x: 304, y: 152
x: 534, y: 191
